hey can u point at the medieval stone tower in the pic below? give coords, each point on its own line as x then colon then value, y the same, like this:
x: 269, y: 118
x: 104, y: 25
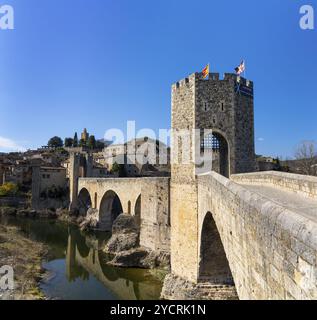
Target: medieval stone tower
x: 224, y: 106
x: 80, y: 166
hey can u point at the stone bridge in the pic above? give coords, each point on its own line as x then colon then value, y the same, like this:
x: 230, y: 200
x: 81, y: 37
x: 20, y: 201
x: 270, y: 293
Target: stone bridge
x: 257, y: 231
x: 238, y: 234
x: 145, y: 198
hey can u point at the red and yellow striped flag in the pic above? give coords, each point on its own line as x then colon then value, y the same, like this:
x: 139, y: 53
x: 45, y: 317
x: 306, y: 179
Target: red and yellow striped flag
x: 205, y: 72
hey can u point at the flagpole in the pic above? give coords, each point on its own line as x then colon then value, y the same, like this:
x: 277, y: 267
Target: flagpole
x: 245, y: 70
x: 208, y: 70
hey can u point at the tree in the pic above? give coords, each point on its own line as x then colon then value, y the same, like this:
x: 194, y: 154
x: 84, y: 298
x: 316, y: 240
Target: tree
x: 55, y: 142
x: 92, y: 142
x: 277, y: 163
x: 68, y: 142
x: 306, y: 156
x: 118, y: 168
x: 75, y: 140
x: 82, y: 143
x: 8, y: 189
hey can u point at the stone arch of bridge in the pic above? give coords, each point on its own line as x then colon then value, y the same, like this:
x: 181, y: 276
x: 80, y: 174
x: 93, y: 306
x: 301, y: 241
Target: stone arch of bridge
x: 213, y: 263
x: 110, y: 208
x: 84, y: 201
x: 137, y: 210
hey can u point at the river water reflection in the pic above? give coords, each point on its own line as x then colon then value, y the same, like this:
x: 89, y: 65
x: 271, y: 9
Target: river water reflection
x: 77, y: 266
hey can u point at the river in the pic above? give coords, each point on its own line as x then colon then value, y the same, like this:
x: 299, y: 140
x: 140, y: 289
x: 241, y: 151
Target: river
x: 78, y: 268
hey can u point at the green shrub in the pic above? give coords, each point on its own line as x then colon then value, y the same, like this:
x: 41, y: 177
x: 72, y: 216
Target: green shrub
x: 8, y: 189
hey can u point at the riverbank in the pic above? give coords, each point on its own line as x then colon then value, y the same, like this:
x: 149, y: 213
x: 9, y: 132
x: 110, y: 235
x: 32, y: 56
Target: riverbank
x: 25, y: 256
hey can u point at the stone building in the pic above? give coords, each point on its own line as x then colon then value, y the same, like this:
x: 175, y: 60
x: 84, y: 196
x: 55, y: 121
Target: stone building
x: 140, y: 157
x: 18, y: 172
x: 50, y: 176
x: 85, y: 135
x: 49, y: 187
x: 99, y: 159
x: 266, y: 164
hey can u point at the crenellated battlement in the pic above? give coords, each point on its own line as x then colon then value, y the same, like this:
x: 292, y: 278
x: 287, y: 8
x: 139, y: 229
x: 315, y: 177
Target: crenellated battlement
x: 198, y: 76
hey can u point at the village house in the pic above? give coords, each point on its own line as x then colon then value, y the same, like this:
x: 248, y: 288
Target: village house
x: 140, y: 157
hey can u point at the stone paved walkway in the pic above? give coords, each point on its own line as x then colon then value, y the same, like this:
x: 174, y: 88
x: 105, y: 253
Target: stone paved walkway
x: 290, y: 200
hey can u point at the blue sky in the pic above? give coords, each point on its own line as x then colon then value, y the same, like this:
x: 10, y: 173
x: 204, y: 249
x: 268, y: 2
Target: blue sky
x: 98, y: 63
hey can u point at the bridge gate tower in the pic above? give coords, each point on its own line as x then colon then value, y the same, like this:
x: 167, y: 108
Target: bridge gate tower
x: 224, y: 106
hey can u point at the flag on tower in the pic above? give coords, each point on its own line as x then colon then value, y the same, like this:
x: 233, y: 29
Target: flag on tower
x: 205, y: 72
x: 241, y: 68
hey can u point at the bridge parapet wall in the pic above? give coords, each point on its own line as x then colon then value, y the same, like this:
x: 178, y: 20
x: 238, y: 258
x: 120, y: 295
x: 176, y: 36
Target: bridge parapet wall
x: 271, y: 251
x: 300, y: 184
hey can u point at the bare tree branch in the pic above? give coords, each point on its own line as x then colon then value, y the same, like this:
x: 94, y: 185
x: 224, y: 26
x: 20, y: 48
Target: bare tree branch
x: 306, y: 156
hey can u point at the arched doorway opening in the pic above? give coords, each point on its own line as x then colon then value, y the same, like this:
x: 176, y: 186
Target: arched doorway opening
x: 110, y: 209
x: 137, y: 211
x: 213, y: 266
x: 84, y: 201
x: 216, y: 145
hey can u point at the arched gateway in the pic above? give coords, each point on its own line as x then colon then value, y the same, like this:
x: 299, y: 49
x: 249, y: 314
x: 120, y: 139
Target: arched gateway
x: 215, y: 149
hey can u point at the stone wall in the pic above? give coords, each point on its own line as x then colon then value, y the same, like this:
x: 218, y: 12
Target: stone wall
x: 42, y: 180
x: 17, y: 202
x: 155, y: 214
x: 183, y: 185
x: 300, y: 184
x: 271, y: 251
x: 52, y: 177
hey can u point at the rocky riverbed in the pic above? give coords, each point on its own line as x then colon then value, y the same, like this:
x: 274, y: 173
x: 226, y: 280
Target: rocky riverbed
x: 124, y: 244
x: 25, y: 257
